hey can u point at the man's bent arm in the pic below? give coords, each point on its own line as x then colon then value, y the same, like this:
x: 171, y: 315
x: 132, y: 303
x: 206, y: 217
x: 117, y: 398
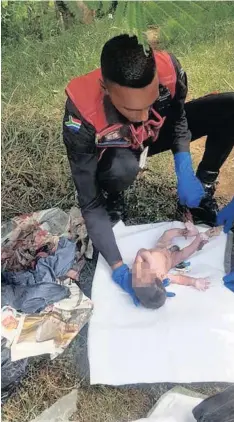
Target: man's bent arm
x: 79, y: 139
x: 189, y: 187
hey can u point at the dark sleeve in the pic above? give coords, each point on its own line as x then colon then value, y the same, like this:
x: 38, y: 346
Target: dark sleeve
x: 81, y: 151
x: 181, y: 134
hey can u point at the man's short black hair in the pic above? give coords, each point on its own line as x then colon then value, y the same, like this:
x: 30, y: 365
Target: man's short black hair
x: 124, y: 62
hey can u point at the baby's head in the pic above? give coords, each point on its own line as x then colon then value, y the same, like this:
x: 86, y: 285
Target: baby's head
x: 151, y: 296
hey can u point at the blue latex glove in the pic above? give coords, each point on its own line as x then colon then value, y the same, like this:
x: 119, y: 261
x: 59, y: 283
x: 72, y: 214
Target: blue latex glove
x: 229, y: 281
x: 166, y: 282
x: 226, y: 216
x: 190, y: 189
x: 123, y: 277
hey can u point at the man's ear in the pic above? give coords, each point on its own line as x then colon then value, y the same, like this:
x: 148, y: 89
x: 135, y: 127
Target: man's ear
x: 103, y: 86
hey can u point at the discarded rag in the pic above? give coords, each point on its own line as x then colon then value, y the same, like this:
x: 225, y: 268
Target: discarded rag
x: 28, y: 237
x: 217, y: 408
x: 31, y: 291
x: 29, y: 242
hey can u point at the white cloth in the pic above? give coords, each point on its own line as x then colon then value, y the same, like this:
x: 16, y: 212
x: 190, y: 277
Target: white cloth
x: 189, y: 339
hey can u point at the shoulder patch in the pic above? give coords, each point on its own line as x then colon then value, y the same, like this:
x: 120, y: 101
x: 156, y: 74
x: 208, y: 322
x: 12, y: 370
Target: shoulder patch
x: 73, y: 123
x: 182, y: 72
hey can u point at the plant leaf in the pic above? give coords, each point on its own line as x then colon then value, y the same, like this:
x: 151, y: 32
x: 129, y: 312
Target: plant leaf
x: 120, y: 13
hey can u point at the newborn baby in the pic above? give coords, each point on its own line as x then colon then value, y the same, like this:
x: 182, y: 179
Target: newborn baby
x: 152, y: 266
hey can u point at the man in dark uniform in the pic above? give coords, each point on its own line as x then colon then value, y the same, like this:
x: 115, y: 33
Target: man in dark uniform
x: 137, y: 101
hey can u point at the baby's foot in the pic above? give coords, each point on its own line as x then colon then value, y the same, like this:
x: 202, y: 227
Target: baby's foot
x: 204, y: 240
x: 214, y: 231
x: 191, y: 230
x: 201, y: 284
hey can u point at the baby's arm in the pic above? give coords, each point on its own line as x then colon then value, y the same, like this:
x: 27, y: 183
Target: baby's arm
x: 198, y: 283
x: 179, y: 256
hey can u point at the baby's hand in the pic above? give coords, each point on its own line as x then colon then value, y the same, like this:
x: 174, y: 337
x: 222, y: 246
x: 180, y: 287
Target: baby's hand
x: 201, y: 283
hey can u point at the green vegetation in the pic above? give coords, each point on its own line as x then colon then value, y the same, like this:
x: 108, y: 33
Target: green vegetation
x: 40, y: 20
x: 38, y: 61
x: 35, y: 173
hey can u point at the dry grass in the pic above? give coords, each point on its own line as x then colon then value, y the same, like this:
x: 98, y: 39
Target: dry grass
x: 46, y: 381
x: 108, y: 404
x: 35, y: 172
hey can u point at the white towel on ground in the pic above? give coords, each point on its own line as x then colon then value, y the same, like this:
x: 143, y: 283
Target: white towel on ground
x: 189, y: 339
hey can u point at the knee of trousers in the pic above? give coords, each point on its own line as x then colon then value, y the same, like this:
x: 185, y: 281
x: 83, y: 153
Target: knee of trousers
x: 117, y: 170
x: 229, y: 106
x: 230, y: 98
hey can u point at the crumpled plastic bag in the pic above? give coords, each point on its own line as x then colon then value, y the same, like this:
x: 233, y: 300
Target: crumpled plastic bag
x: 11, y: 372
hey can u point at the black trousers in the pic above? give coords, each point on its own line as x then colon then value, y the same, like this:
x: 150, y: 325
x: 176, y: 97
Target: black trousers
x: 211, y: 116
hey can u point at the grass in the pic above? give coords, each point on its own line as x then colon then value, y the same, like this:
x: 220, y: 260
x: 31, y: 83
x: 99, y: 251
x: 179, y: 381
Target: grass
x: 55, y: 379
x: 36, y: 175
x: 35, y: 172
x: 46, y: 381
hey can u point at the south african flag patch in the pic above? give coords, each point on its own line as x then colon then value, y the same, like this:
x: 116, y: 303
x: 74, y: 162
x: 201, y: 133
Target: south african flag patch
x: 73, y: 124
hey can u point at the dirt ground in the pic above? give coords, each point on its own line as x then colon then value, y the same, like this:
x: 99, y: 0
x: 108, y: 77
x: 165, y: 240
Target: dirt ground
x: 225, y: 188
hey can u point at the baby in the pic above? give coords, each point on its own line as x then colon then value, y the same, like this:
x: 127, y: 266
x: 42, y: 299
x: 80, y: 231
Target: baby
x: 152, y: 266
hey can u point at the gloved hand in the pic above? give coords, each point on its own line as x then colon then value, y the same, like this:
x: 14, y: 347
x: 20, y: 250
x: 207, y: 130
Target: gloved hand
x: 226, y: 216
x: 166, y: 283
x: 229, y: 281
x: 190, y: 189
x: 123, y: 277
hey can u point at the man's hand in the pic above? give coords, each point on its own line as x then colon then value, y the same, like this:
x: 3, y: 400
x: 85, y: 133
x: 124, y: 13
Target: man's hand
x: 190, y: 189
x: 123, y: 277
x: 229, y: 281
x: 226, y: 217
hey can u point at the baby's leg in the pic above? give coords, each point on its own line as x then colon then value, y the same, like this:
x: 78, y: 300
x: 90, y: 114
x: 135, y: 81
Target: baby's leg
x: 166, y: 239
x: 198, y: 283
x: 189, y: 231
x: 178, y: 256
